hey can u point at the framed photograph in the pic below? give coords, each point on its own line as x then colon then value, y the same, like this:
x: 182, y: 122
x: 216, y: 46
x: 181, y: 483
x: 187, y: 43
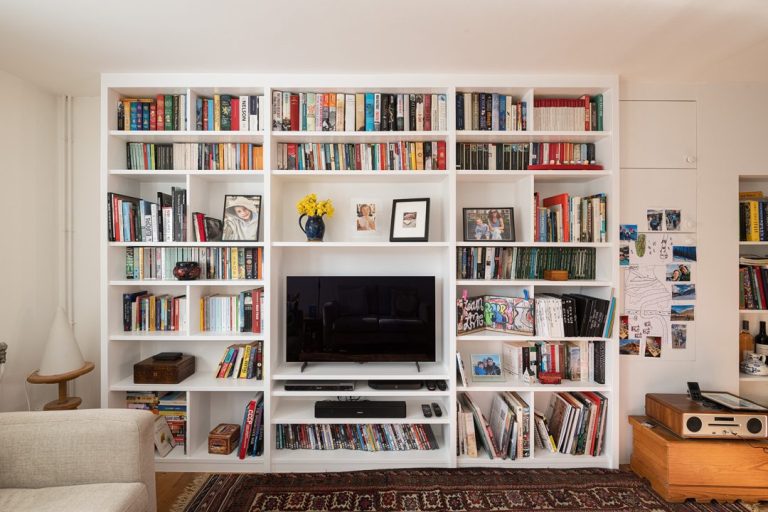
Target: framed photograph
x: 241, y: 217
x: 489, y: 224
x: 410, y: 220
x: 365, y: 214
x: 486, y: 367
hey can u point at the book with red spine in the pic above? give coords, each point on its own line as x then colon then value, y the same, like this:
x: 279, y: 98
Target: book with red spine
x: 159, y: 112
x: 427, y: 112
x: 441, y: 165
x: 295, y: 119
x: 246, y: 430
x: 234, y: 123
x: 562, y: 200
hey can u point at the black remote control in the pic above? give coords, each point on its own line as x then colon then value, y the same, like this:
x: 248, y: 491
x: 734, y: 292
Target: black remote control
x: 430, y: 385
x: 426, y: 410
x: 441, y: 385
x: 167, y: 356
x: 694, y: 391
x: 438, y: 410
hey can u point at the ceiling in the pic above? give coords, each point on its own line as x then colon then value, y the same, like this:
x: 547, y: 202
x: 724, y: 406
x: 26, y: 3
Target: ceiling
x: 63, y: 45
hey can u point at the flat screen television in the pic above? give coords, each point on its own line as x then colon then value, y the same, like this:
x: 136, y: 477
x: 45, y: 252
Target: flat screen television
x: 360, y: 319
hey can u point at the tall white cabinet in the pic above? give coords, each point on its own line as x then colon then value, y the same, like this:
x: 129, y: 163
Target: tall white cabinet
x: 212, y: 401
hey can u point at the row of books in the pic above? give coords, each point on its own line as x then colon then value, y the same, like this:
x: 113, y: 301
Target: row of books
x: 242, y: 361
x: 392, y: 156
x: 147, y: 312
x: 161, y: 113
x: 576, y: 423
x: 505, y: 434
x: 233, y: 313
x: 224, y: 112
x: 369, y: 112
x: 492, y: 157
x: 583, y: 114
x: 170, y: 405
x: 578, y: 361
x: 156, y: 263
x: 753, y: 218
x: 211, y: 156
x: 252, y: 429
x: 490, y: 111
x: 753, y: 282
x: 566, y: 218
x: 562, y: 153
x: 364, y: 437
x: 524, y: 262
x: 130, y: 219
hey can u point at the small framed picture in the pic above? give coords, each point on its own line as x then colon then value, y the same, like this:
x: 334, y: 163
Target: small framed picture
x: 365, y: 214
x: 489, y: 224
x: 241, y: 217
x: 486, y: 367
x: 410, y: 220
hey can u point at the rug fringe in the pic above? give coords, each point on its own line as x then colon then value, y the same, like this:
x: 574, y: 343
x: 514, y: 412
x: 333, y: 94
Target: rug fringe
x: 189, y: 492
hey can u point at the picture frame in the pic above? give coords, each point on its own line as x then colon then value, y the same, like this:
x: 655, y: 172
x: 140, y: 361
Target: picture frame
x: 486, y: 367
x: 489, y: 224
x: 238, y: 224
x: 410, y: 220
x: 366, y: 213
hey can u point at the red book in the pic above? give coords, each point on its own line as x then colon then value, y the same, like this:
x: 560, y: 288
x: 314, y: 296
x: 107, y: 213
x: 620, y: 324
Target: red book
x: 536, y: 216
x: 587, y: 116
x: 295, y: 119
x: 427, y: 112
x: 256, y: 318
x: 205, y: 113
x: 153, y: 116
x: 358, y: 160
x: 292, y: 156
x: 562, y: 200
x: 200, y: 219
x: 569, y: 167
x: 235, y: 119
x: 760, y: 286
x: 441, y: 155
x: 382, y: 157
x: 247, y: 426
x: 160, y: 107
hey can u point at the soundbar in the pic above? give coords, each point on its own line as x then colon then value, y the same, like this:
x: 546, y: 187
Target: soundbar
x: 359, y: 409
x: 319, y: 385
x: 389, y: 385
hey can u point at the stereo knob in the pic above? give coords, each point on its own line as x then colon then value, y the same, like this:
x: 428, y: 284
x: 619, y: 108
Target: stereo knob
x: 754, y: 425
x: 693, y: 423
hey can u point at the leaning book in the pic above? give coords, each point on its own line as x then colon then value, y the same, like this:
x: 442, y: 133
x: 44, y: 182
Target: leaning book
x: 164, y: 441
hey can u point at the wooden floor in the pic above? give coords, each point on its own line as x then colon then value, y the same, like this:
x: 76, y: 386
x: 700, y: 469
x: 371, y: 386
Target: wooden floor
x: 170, y: 486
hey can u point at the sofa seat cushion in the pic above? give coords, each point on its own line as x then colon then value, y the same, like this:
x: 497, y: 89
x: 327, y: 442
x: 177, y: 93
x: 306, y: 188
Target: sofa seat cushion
x: 117, y: 497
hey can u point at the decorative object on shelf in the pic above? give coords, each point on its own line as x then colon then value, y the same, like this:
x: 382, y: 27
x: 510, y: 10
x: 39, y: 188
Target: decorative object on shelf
x: 365, y: 216
x: 186, y: 270
x: 62, y: 362
x: 314, y: 210
x: 164, y: 441
x: 241, y: 217
x: 224, y: 438
x: 489, y: 224
x: 410, y: 220
x: 754, y: 364
x: 160, y: 369
x: 486, y: 367
x: 556, y: 275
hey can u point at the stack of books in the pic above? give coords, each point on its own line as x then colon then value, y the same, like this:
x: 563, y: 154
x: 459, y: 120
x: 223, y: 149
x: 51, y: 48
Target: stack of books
x: 156, y: 263
x: 579, y: 361
x: 225, y: 112
x: 163, y: 112
x: 566, y: 218
x: 173, y: 407
x: 147, y: 312
x: 252, y: 429
x: 392, y: 156
x: 130, y: 219
x: 233, y: 313
x: 242, y: 361
x: 215, y: 156
x: 563, y: 156
x: 490, y: 111
x: 581, y: 114
x: 364, y: 437
x: 505, y: 434
x: 524, y: 262
x: 576, y: 422
x: 492, y: 157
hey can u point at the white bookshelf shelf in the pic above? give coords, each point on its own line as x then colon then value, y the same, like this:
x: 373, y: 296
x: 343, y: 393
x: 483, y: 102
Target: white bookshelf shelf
x: 514, y: 176
x: 186, y: 244
x: 162, y: 176
x: 518, y: 385
x: 187, y: 136
x: 355, y: 245
x: 500, y: 336
x: 354, y: 371
x: 535, y: 244
x: 176, y: 336
x: 532, y: 282
x: 490, y: 136
x: 364, y: 176
x: 365, y: 137
x: 296, y: 410
x: 361, y: 389
x: 196, y: 282
x: 199, y: 381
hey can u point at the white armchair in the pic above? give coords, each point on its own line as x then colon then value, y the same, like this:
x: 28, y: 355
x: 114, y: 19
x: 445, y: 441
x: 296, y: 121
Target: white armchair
x: 86, y: 460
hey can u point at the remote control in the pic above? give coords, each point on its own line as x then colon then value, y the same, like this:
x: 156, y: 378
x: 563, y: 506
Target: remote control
x: 441, y: 385
x: 694, y: 391
x: 426, y: 410
x: 438, y: 410
x: 430, y: 385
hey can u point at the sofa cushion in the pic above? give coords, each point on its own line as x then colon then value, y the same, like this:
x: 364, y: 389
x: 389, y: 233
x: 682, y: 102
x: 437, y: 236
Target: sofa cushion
x: 121, y: 497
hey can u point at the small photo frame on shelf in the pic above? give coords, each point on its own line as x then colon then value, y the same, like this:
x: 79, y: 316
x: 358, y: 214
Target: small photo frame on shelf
x: 410, y: 220
x: 486, y: 367
x: 489, y: 224
x: 365, y: 212
x: 241, y: 218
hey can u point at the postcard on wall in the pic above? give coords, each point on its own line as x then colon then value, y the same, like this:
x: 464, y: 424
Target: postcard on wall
x: 628, y: 232
x: 655, y: 219
x: 651, y: 249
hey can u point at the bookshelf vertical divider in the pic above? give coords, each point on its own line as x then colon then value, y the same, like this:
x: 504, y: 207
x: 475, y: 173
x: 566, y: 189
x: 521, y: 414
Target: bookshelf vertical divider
x: 211, y: 401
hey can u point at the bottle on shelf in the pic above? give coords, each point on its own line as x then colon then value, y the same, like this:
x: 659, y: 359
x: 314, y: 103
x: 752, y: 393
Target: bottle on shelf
x: 761, y: 341
x: 746, y: 341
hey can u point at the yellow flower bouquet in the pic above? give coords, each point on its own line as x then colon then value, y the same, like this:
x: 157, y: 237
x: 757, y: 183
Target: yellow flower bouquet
x: 314, y: 210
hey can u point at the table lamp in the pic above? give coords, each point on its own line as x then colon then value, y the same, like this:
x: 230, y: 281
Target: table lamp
x: 62, y: 362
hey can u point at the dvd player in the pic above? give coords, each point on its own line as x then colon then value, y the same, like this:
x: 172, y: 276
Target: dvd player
x: 319, y: 385
x: 389, y: 385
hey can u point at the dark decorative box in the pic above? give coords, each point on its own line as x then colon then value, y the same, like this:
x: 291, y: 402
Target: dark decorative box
x: 154, y: 371
x: 224, y: 438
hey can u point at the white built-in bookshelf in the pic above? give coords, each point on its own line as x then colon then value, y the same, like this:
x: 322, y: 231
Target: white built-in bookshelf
x: 286, y: 252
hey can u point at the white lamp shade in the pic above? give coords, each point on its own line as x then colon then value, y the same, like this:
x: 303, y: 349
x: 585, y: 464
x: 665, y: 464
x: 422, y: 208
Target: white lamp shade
x: 61, y: 353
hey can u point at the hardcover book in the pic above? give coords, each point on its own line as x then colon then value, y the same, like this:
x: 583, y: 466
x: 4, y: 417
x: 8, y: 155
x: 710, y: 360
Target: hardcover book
x: 513, y: 315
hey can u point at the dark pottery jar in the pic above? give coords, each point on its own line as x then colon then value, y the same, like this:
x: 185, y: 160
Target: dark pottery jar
x: 186, y: 270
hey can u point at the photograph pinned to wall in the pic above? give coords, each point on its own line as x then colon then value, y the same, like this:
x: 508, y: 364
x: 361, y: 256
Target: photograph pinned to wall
x: 679, y: 336
x: 489, y: 224
x: 629, y: 347
x: 655, y: 220
x: 624, y: 255
x: 684, y: 253
x: 364, y: 212
x: 651, y: 249
x: 672, y: 220
x: 241, y: 217
x: 628, y: 232
x: 623, y: 327
x: 679, y: 272
x: 682, y: 313
x: 486, y: 367
x: 410, y: 220
x: 653, y: 346
x: 684, y: 292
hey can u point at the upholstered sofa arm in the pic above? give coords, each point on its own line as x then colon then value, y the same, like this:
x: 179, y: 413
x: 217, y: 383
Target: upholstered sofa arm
x: 59, y: 448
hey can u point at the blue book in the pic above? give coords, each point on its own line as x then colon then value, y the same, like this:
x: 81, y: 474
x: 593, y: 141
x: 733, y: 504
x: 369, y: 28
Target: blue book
x: 369, y: 111
x: 199, y: 113
x: 133, y: 115
x: 336, y: 157
x: 126, y: 221
x: 210, y: 115
x: 301, y: 157
x: 145, y: 116
x: 502, y: 112
x: 460, y: 111
x: 481, y: 103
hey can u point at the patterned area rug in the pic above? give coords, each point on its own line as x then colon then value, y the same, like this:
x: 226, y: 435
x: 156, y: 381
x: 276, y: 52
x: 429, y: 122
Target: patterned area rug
x: 433, y: 490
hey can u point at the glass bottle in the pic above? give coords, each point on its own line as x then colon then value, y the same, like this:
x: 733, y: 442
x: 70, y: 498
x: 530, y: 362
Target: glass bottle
x: 746, y: 341
x: 761, y: 341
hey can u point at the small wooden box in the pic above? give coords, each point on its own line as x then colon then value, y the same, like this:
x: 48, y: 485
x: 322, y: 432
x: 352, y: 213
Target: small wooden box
x: 153, y: 371
x: 224, y: 438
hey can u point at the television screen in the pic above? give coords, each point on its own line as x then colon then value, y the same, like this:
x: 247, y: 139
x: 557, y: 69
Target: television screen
x: 360, y: 318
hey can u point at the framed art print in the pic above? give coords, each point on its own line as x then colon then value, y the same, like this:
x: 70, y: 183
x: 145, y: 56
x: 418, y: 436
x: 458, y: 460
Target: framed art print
x: 241, y: 217
x: 366, y: 214
x: 410, y: 220
x: 489, y: 224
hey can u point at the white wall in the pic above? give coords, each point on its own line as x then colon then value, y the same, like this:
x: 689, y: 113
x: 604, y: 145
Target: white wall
x: 29, y: 247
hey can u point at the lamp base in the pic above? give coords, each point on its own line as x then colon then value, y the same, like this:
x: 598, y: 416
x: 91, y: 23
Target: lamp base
x: 63, y: 404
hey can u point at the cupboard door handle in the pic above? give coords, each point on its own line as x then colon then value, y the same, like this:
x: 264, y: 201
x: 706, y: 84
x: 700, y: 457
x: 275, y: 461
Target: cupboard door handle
x: 690, y: 159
